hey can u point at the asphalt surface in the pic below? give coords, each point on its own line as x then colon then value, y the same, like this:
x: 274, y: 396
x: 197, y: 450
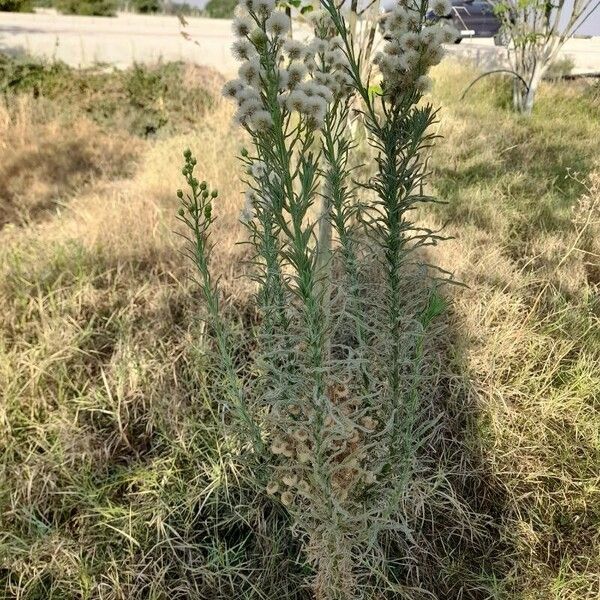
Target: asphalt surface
x: 127, y: 39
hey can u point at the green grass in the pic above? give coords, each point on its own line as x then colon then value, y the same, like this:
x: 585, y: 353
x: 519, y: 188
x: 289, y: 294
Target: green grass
x: 116, y: 481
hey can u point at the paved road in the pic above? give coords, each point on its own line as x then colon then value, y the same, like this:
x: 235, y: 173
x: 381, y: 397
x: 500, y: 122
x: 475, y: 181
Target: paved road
x: 83, y: 41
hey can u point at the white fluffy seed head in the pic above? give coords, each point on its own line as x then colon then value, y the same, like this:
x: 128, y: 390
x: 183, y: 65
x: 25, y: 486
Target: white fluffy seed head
x: 242, y: 26
x: 296, y: 101
x: 246, y: 110
x: 232, y: 89
x: 423, y: 84
x: 448, y: 34
x: 294, y: 49
x: 318, y: 46
x: 296, y: 74
x: 410, y: 41
x: 441, y: 8
x: 278, y: 24
x: 250, y: 72
x: 396, y: 22
x: 248, y: 93
x: 324, y: 92
x: 316, y: 107
x: 434, y: 54
x: 429, y: 35
x: 242, y: 49
x: 261, y: 120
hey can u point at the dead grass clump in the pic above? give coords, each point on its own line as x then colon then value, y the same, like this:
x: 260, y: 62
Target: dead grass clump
x: 42, y: 166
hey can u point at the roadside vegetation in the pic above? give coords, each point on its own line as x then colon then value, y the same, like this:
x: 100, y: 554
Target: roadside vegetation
x: 114, y: 482
x: 102, y: 8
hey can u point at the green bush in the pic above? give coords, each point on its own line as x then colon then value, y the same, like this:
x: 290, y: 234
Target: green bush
x: 15, y: 6
x: 221, y: 9
x: 146, y: 7
x: 100, y: 8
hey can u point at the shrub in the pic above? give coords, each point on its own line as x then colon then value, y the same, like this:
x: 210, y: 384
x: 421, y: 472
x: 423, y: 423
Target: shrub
x: 100, y: 8
x: 221, y: 9
x: 146, y: 6
x: 333, y: 405
x: 15, y: 5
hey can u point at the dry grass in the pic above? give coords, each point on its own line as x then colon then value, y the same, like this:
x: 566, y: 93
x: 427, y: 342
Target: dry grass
x: 114, y: 481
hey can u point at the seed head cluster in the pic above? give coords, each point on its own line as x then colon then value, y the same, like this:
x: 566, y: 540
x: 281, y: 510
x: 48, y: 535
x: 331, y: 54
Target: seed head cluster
x: 411, y: 48
x: 307, y: 77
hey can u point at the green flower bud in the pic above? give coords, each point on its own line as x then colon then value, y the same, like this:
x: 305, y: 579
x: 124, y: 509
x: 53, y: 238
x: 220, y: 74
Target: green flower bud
x: 181, y: 212
x: 214, y: 194
x: 244, y: 152
x: 207, y: 212
x: 203, y: 185
x: 259, y: 38
x: 187, y: 154
x: 205, y: 194
x: 180, y: 193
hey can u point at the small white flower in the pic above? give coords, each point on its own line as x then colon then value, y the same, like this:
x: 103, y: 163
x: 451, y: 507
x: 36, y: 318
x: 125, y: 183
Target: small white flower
x: 318, y: 46
x: 411, y: 58
x: 250, y: 72
x: 324, y: 92
x: 278, y: 24
x: 297, y: 100
x: 233, y: 88
x: 310, y: 88
x: 336, y: 57
x: 242, y: 26
x: 434, y: 54
x: 396, y: 22
x: 262, y: 120
x: 410, y: 41
x: 294, y: 49
x: 248, y: 93
x: 296, y: 74
x: 442, y: 8
x: 393, y: 48
x: 242, y: 49
x: 247, y: 109
x: 413, y: 18
x: 447, y: 34
x: 315, y: 107
x: 429, y: 35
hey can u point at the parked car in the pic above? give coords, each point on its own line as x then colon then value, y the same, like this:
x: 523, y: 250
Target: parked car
x: 474, y: 18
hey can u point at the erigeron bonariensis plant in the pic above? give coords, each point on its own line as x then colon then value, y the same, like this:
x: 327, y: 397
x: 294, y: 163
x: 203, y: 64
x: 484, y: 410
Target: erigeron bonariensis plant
x: 335, y: 407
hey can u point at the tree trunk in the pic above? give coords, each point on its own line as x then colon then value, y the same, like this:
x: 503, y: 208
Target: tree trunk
x: 524, y: 97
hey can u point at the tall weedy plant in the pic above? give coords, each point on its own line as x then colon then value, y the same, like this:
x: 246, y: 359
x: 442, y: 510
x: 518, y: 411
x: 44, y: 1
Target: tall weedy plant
x: 335, y: 408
